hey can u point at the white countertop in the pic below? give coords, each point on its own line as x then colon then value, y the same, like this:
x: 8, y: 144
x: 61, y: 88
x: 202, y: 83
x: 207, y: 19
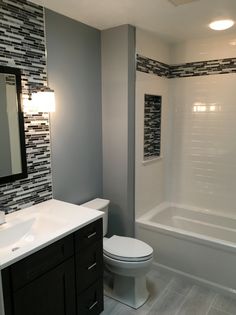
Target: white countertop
x: 28, y: 230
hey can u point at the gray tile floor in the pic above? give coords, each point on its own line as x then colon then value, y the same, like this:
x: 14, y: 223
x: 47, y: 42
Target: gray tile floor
x: 175, y: 295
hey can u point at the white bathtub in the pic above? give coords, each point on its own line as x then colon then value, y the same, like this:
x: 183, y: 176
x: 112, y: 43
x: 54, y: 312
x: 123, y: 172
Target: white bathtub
x: 199, y: 243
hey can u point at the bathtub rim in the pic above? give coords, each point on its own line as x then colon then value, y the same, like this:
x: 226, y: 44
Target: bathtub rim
x: 145, y: 223
x: 149, y: 213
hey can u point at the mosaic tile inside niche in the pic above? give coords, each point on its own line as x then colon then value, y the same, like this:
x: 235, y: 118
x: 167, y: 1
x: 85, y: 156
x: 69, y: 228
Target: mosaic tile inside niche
x: 22, y: 45
x: 152, y: 126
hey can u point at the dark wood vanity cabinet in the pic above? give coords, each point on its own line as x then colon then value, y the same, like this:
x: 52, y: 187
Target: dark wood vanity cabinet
x: 89, y: 269
x: 65, y: 278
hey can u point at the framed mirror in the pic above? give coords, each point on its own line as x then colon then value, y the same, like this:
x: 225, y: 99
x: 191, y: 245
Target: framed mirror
x: 12, y: 137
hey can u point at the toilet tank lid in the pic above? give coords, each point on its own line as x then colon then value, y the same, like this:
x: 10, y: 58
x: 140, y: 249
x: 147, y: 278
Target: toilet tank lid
x: 97, y: 204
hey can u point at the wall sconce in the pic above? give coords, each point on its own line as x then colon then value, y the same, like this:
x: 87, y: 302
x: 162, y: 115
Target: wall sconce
x: 41, y: 99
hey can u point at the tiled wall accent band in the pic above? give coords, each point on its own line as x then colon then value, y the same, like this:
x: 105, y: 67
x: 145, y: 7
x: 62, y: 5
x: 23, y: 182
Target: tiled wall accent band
x: 200, y: 68
x: 148, y: 65
x: 220, y: 66
x: 22, y: 45
x: 152, y: 126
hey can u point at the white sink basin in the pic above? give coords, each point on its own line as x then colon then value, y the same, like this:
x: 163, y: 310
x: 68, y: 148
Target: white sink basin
x: 19, y: 232
x: 33, y: 228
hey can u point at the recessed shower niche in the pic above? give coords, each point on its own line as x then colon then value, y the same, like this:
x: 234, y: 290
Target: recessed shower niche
x: 152, y: 126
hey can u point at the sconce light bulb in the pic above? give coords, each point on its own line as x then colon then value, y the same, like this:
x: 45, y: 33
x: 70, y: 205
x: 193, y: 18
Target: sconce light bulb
x: 40, y: 100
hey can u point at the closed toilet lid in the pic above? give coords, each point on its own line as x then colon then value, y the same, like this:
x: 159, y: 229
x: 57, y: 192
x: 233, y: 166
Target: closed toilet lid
x: 127, y: 248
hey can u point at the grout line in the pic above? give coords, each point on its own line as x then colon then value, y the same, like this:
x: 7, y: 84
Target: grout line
x: 219, y: 309
x: 184, y: 300
x: 211, y: 304
x: 181, y: 293
x: 162, y: 293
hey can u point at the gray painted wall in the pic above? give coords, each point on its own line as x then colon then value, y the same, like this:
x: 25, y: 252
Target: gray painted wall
x: 74, y: 72
x: 118, y: 102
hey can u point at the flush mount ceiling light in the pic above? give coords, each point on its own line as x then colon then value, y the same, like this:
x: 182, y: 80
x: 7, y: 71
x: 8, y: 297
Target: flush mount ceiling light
x: 221, y: 25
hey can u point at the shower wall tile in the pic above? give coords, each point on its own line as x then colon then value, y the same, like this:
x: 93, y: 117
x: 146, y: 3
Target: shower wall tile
x: 191, y: 69
x: 22, y: 45
x: 198, y: 131
x: 152, y: 66
x: 203, y: 152
x: 150, y: 177
x: 202, y: 68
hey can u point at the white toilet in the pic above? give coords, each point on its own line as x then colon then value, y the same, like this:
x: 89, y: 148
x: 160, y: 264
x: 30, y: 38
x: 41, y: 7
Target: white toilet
x: 128, y: 260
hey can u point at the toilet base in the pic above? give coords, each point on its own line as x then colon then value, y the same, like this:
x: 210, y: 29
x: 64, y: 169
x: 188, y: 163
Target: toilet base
x: 131, y: 291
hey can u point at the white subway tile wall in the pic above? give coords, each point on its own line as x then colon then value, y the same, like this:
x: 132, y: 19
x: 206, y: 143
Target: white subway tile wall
x: 150, y: 178
x: 198, y: 132
x: 203, y: 142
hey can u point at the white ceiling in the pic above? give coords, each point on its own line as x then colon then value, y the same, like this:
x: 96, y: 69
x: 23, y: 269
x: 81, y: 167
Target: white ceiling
x: 173, y: 23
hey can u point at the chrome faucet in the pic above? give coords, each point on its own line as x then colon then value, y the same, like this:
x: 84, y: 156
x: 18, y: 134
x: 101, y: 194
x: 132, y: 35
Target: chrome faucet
x: 2, y: 216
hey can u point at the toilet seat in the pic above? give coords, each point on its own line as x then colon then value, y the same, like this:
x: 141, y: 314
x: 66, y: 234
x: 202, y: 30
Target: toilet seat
x: 128, y: 259
x: 127, y: 249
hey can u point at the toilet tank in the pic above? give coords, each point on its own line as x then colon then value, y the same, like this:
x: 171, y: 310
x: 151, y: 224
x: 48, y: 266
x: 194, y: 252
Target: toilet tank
x: 101, y: 205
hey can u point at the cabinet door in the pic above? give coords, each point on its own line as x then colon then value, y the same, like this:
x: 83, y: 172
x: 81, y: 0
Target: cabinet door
x: 52, y: 293
x: 37, y: 264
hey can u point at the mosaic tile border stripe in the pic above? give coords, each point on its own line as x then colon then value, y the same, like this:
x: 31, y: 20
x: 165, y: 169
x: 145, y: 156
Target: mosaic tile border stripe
x: 191, y: 69
x: 22, y: 45
x: 148, y: 65
x: 210, y: 67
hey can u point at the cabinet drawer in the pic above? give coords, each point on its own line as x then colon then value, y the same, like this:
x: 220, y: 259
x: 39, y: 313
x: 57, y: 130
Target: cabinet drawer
x: 90, y: 302
x: 88, y: 235
x: 40, y: 262
x: 89, y: 266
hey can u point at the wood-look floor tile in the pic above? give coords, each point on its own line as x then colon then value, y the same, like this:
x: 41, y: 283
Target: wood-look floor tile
x: 226, y: 304
x: 214, y: 311
x: 197, y: 302
x: 109, y: 305
x: 167, y: 304
x: 181, y: 285
x: 174, y: 295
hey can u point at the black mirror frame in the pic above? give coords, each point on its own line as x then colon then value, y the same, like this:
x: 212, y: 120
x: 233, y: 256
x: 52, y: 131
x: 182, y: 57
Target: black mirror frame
x: 23, y: 174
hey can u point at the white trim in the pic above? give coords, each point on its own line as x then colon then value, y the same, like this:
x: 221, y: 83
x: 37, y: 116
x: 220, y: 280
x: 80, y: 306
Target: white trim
x: 152, y: 160
x: 145, y: 221
x: 196, y: 238
x: 149, y: 213
x: 212, y: 285
x: 166, y: 204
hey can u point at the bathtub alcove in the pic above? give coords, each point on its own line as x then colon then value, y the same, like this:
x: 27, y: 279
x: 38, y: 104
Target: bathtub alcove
x: 198, y: 243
